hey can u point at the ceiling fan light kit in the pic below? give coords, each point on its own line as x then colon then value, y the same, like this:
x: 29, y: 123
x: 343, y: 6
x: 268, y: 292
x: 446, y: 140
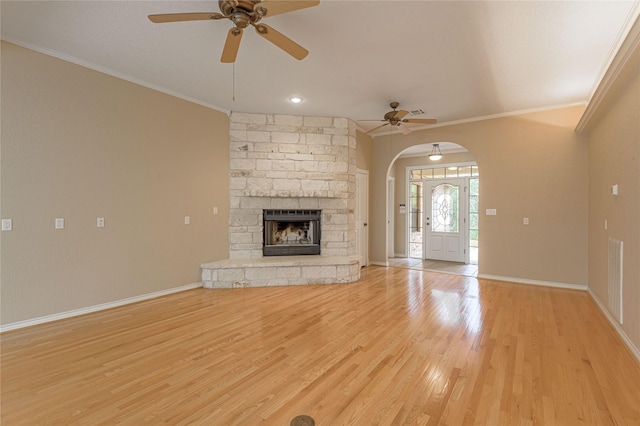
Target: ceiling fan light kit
x: 244, y: 13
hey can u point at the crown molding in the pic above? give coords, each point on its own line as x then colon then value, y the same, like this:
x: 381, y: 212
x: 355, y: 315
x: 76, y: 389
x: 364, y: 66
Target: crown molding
x: 628, y: 50
x: 112, y: 73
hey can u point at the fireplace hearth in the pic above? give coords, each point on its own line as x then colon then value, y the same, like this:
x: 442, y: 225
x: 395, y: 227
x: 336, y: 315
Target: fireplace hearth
x: 291, y: 232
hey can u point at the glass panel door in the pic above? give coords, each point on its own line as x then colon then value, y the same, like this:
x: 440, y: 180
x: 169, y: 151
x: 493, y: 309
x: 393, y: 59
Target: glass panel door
x: 415, y: 219
x: 444, y: 208
x: 473, y: 220
x: 445, y: 231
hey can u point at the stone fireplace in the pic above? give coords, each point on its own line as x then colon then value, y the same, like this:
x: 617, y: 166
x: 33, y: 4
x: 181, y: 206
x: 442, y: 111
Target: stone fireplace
x: 289, y: 163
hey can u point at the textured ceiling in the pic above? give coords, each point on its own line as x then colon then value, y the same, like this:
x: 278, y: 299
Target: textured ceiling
x: 454, y: 60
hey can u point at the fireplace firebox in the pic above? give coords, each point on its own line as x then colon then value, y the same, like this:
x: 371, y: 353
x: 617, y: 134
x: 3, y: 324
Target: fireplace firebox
x: 291, y: 232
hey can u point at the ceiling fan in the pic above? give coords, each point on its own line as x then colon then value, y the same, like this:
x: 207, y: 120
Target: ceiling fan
x: 244, y: 13
x: 396, y: 118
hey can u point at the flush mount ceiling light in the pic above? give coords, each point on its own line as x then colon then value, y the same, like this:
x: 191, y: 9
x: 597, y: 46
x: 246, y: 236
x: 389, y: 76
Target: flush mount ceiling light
x: 436, y: 154
x: 295, y: 99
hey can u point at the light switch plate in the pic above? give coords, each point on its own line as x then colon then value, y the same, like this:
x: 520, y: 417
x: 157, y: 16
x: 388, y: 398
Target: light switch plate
x: 59, y: 223
x: 187, y: 220
x: 491, y: 212
x: 7, y: 224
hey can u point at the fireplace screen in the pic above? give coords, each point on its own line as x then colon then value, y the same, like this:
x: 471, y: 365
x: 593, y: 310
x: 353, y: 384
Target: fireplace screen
x: 291, y: 232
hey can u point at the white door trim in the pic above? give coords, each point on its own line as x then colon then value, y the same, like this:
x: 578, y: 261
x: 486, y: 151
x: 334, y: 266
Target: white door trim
x: 391, y: 190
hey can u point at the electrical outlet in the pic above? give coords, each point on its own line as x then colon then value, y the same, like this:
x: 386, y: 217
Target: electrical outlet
x: 7, y: 224
x: 491, y: 212
x: 100, y: 222
x: 59, y: 223
x: 525, y: 221
x: 215, y: 210
x: 187, y: 220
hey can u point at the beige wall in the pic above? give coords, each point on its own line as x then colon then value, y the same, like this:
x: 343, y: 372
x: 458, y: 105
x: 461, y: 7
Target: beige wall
x: 401, y: 196
x: 532, y: 165
x: 614, y: 158
x: 364, y: 148
x: 79, y: 144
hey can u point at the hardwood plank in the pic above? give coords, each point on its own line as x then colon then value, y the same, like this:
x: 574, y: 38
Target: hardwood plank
x: 400, y: 346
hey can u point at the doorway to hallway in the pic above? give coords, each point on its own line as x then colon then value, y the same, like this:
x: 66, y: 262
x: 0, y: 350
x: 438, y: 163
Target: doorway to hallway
x: 443, y: 213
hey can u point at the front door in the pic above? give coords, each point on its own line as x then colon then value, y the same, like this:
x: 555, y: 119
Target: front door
x: 445, y: 206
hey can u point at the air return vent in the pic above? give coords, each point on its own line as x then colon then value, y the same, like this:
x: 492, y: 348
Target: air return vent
x: 615, y: 279
x: 417, y: 112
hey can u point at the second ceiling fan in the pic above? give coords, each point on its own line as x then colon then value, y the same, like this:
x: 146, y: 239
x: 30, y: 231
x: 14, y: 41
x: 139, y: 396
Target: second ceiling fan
x: 244, y: 13
x: 396, y: 118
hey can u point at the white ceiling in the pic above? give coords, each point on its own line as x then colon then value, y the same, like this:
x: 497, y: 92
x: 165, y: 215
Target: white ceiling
x: 455, y: 60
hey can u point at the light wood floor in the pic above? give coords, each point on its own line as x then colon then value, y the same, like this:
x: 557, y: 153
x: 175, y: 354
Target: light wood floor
x: 399, y: 347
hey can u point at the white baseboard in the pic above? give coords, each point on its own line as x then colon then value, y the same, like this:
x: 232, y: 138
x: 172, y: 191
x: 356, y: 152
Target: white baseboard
x: 95, y: 308
x: 635, y: 351
x: 371, y: 262
x: 533, y: 282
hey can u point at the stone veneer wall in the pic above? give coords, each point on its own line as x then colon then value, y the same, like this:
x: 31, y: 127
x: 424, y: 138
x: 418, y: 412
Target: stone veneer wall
x: 291, y: 162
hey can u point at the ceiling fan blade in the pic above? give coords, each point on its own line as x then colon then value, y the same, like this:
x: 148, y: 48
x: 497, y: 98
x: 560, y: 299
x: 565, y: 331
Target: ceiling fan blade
x: 179, y: 17
x: 400, y: 114
x: 278, y: 7
x: 372, y: 120
x: 403, y: 128
x: 282, y: 41
x: 231, y: 46
x: 420, y: 120
x: 376, y: 128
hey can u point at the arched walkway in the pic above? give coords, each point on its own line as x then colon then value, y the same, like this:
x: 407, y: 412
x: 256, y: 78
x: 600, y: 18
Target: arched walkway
x: 417, y: 235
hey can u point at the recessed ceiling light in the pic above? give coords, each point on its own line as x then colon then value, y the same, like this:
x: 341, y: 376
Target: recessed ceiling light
x: 295, y: 99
